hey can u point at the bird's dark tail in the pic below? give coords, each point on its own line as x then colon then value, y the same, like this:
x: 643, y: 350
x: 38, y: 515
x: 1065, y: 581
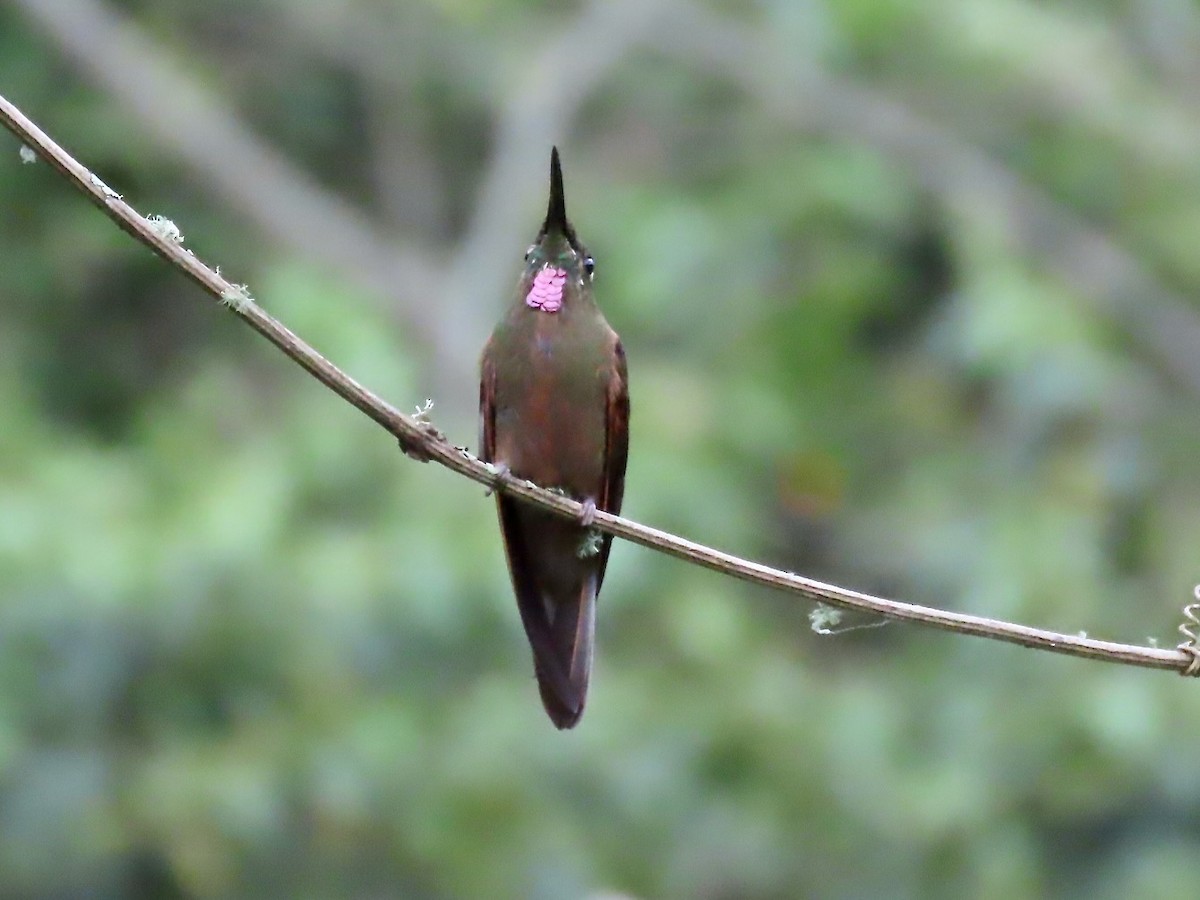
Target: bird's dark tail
x: 562, y: 657
x: 556, y: 597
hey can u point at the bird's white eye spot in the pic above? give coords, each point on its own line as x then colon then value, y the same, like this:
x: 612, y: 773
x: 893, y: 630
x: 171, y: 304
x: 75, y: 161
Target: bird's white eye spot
x: 589, y: 266
x: 529, y: 252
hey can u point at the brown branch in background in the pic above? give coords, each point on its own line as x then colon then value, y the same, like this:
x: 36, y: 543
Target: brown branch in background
x: 533, y: 107
x: 422, y: 439
x: 286, y: 205
x: 1091, y: 262
x: 251, y: 176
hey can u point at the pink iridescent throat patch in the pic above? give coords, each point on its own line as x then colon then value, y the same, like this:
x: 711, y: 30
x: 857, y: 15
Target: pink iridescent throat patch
x: 547, y: 291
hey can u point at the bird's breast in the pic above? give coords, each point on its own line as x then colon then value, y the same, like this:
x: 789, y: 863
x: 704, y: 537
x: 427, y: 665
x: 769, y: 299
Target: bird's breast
x: 551, y: 410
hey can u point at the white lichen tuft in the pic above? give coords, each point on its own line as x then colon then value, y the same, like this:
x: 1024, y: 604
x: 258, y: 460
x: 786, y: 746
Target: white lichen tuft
x: 422, y: 413
x: 592, y: 541
x: 27, y: 155
x: 827, y: 620
x: 823, y: 619
x: 165, y: 229
x: 237, y: 297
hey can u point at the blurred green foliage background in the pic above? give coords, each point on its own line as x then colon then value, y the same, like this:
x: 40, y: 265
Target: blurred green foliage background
x: 908, y: 290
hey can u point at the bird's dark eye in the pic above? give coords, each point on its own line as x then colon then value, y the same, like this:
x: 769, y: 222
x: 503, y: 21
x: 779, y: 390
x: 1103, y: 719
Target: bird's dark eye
x: 589, y: 266
x: 529, y: 252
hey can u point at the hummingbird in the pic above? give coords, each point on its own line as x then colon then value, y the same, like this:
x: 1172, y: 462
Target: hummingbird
x: 554, y: 410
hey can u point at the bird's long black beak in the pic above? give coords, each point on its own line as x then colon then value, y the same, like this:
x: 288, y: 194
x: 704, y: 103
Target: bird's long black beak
x: 556, y: 212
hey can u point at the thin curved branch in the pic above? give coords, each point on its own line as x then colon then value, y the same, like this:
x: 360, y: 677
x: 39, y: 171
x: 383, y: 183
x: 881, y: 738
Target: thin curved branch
x: 423, y: 440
